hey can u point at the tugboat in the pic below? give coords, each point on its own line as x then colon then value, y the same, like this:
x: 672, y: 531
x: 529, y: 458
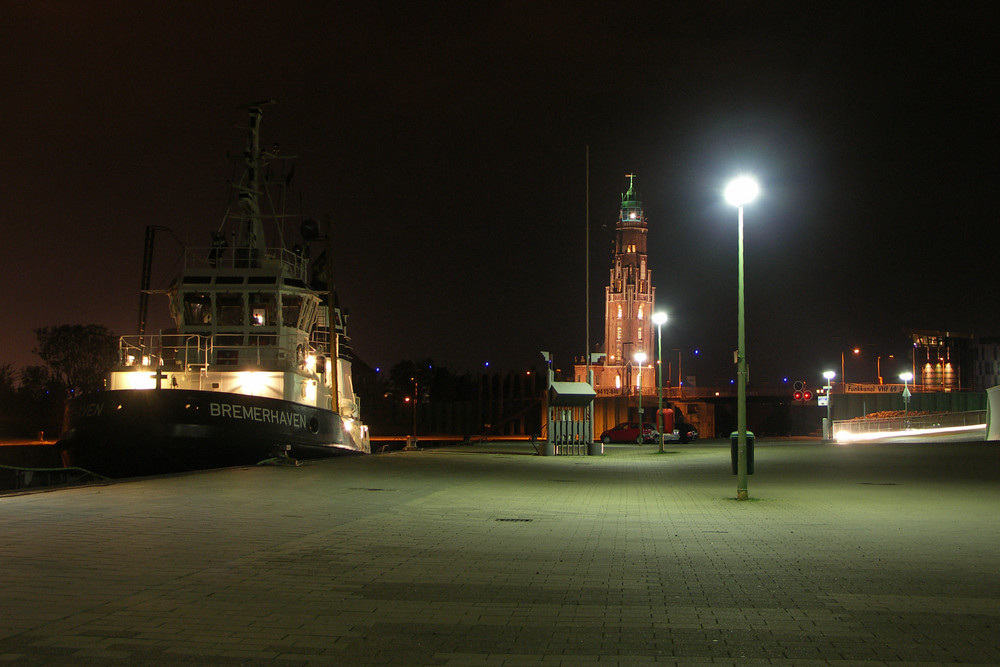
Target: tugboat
x: 257, y: 366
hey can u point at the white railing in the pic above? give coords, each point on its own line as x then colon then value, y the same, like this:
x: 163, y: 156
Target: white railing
x: 860, y: 428
x: 292, y: 264
x: 185, y: 352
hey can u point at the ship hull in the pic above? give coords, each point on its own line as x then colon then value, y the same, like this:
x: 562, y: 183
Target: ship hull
x: 129, y: 433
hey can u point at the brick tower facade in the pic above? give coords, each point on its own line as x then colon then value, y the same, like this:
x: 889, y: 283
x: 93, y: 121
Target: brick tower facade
x: 629, y: 298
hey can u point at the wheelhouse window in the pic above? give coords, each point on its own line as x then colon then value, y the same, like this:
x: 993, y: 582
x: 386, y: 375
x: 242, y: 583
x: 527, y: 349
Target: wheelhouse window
x: 230, y: 310
x: 197, y: 308
x: 291, y: 307
x: 263, y: 309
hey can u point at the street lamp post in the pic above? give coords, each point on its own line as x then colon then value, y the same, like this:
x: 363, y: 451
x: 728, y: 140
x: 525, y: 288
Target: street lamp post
x: 680, y: 373
x: 659, y: 319
x: 828, y: 431
x: 843, y: 370
x: 640, y: 358
x: 740, y: 191
x: 878, y: 367
x: 416, y: 396
x: 906, y: 377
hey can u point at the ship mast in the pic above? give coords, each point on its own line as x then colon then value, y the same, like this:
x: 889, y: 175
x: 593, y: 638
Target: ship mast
x: 251, y: 242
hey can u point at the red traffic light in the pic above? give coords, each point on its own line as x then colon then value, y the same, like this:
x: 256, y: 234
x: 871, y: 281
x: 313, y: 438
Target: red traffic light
x: 807, y: 395
x: 798, y: 395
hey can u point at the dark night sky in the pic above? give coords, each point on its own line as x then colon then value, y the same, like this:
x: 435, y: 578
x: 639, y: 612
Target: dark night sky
x: 447, y: 141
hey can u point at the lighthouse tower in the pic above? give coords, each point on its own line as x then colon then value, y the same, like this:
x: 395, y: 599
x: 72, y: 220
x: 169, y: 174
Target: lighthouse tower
x: 629, y: 298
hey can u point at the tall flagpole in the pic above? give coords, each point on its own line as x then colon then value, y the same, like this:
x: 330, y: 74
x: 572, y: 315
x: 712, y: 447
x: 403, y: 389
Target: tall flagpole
x: 586, y: 253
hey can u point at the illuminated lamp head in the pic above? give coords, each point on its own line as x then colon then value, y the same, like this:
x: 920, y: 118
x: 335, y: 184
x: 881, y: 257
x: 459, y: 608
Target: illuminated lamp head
x: 742, y: 190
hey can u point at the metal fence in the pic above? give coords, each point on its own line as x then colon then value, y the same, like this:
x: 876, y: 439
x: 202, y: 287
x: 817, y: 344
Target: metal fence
x: 855, y: 428
x: 570, y: 437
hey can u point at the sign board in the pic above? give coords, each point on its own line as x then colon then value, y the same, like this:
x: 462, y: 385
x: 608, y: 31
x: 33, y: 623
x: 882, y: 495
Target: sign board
x: 866, y: 388
x: 822, y: 400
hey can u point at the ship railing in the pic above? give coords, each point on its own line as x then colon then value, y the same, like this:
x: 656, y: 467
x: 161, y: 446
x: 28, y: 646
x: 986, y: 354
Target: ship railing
x: 165, y: 350
x: 137, y: 351
x: 291, y: 263
x: 319, y: 341
x: 185, y: 352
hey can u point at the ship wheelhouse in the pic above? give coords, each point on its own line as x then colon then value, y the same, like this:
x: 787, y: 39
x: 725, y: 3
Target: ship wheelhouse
x: 247, y: 326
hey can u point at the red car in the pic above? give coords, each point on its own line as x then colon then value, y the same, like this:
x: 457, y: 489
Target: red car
x: 629, y: 432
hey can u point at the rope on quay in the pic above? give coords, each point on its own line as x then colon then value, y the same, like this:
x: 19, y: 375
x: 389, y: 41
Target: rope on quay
x: 280, y: 461
x: 71, y: 468
x: 22, y: 477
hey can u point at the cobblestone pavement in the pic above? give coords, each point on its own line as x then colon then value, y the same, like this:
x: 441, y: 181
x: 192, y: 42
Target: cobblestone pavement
x: 486, y: 555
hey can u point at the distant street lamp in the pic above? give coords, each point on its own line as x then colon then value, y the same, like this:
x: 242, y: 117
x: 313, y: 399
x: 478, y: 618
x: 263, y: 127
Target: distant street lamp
x: 640, y: 358
x: 843, y: 370
x: 878, y: 367
x: 659, y: 319
x: 416, y: 396
x: 740, y: 191
x: 906, y: 377
x: 829, y: 375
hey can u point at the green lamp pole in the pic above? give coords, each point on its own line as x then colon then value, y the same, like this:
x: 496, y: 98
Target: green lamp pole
x: 828, y: 431
x: 659, y: 319
x: 740, y: 191
x: 906, y: 377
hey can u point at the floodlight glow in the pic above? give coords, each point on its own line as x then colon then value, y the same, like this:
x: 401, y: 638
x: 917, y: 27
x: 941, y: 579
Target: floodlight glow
x: 640, y: 357
x: 742, y: 190
x: 260, y: 383
x: 253, y: 382
x: 846, y: 436
x: 309, y: 389
x: 906, y: 377
x: 130, y: 380
x: 659, y: 318
x: 829, y: 375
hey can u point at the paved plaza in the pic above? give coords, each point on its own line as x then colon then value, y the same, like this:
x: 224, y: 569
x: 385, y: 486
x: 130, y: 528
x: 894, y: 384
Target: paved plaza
x: 871, y: 554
